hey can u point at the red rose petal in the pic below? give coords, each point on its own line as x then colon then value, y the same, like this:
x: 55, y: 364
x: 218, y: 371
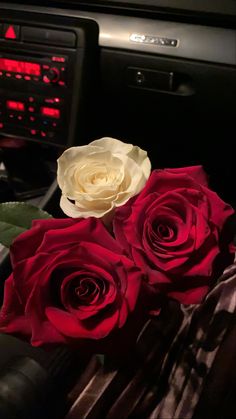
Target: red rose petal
x: 20, y: 248
x: 204, y: 262
x: 162, y: 181
x: 123, y: 314
x: 190, y: 296
x: 43, y: 332
x: 196, y: 172
x: 12, y: 317
x: 90, y: 229
x: 133, y: 288
x: 69, y: 326
x: 219, y: 210
x: 83, y: 312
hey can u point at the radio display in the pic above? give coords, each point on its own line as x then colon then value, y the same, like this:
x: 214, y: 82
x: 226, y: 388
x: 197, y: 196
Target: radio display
x: 16, y: 106
x: 51, y: 112
x: 14, y: 66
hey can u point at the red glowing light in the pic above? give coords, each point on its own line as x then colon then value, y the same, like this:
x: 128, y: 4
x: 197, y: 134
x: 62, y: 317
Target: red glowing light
x: 10, y: 33
x: 16, y: 106
x: 51, y: 112
x: 24, y: 67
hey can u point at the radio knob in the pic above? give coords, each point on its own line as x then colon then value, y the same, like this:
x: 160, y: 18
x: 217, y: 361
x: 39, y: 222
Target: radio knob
x: 52, y: 75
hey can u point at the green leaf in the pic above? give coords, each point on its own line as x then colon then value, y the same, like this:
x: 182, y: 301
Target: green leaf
x: 15, y: 218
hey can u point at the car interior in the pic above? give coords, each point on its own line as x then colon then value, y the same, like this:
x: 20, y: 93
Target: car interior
x: 157, y: 73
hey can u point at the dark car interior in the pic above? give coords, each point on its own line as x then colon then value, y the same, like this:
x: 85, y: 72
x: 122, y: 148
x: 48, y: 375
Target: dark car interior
x: 158, y: 73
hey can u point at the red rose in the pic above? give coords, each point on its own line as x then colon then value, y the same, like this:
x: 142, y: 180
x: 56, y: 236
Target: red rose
x: 172, y: 231
x: 70, y: 280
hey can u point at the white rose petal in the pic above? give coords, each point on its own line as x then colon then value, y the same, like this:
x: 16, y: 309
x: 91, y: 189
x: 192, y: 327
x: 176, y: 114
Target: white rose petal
x: 96, y: 178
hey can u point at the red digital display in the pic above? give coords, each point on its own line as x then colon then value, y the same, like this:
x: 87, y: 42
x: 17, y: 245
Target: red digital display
x: 16, y: 106
x: 51, y: 112
x: 14, y: 66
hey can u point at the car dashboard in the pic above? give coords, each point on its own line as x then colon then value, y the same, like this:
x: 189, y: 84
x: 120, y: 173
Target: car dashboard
x: 154, y: 74
x: 160, y: 80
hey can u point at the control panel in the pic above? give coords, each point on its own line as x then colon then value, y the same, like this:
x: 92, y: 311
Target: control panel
x: 41, y: 71
x: 25, y: 111
x: 31, y: 116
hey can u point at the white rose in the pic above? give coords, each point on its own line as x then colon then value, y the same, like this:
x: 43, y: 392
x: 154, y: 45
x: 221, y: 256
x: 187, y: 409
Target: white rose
x: 96, y: 178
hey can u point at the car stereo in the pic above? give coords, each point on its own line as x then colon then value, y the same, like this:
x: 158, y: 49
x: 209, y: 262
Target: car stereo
x: 46, y: 72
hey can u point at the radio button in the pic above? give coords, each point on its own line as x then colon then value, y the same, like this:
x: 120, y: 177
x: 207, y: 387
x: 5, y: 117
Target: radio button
x: 59, y: 59
x: 46, y: 79
x: 11, y: 32
x: 52, y: 75
x: 48, y: 100
x: 52, y: 100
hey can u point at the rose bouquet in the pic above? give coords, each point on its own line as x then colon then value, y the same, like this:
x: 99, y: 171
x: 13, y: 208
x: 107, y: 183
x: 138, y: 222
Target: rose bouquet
x: 132, y: 239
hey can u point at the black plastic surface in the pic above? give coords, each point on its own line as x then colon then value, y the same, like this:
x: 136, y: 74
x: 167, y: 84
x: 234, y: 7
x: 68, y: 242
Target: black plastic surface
x: 48, y: 36
x: 34, y: 381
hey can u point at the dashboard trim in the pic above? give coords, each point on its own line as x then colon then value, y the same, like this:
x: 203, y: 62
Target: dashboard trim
x: 195, y: 42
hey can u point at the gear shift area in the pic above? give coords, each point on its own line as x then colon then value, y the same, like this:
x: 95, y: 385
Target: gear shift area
x: 27, y: 170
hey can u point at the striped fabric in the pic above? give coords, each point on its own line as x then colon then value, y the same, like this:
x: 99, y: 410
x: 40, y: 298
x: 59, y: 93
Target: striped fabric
x: 183, y: 366
x: 195, y: 348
